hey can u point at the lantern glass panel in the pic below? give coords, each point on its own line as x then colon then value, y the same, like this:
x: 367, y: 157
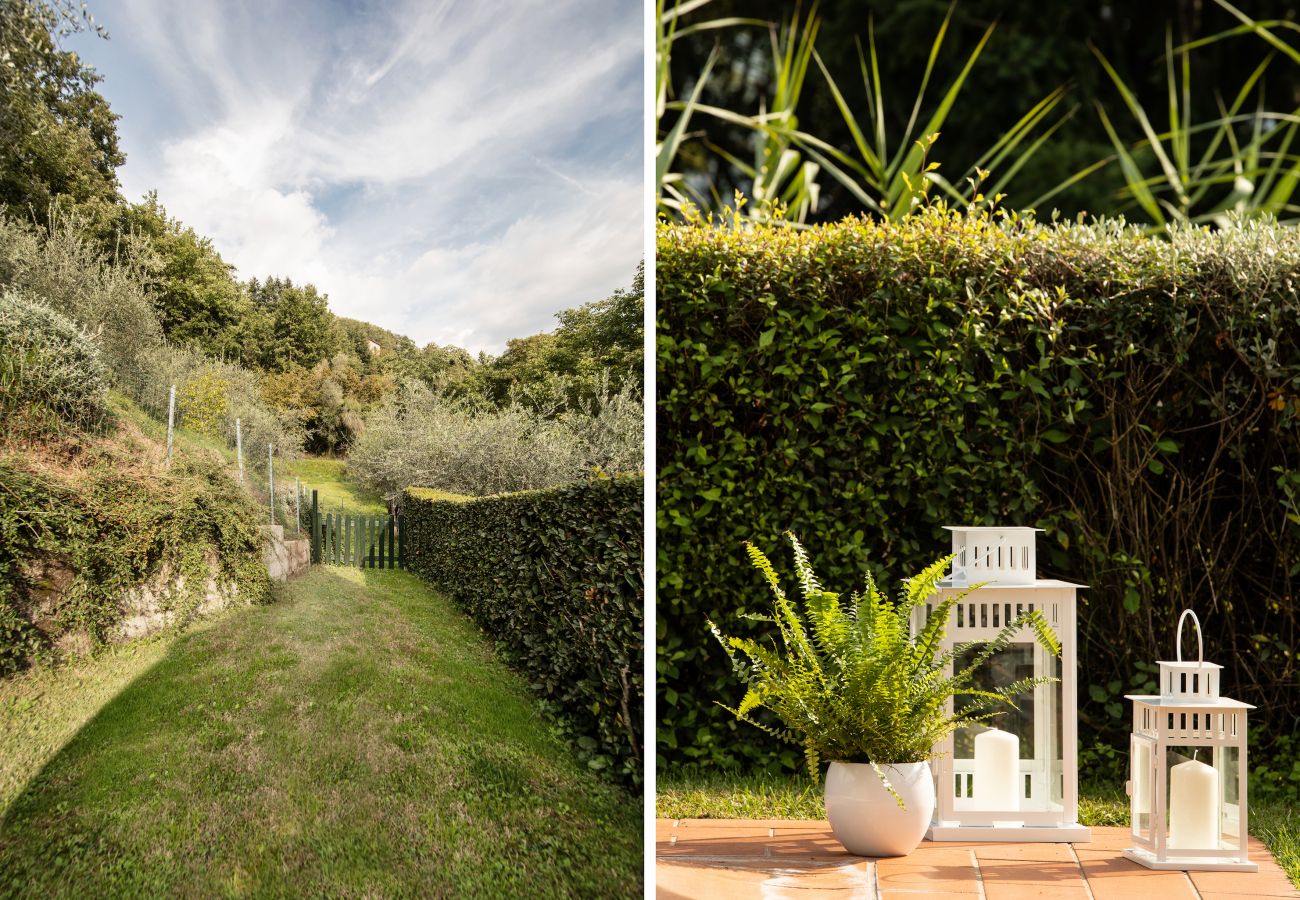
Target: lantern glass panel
x: 1035, y: 723
x: 1142, y: 753
x: 1200, y: 812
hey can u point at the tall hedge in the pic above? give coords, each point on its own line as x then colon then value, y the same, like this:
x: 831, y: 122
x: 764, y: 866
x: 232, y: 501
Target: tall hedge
x: 864, y: 384
x: 556, y: 578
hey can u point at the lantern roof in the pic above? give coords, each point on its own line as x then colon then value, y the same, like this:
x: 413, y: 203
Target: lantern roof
x: 1202, y: 702
x: 977, y: 528
x: 947, y: 582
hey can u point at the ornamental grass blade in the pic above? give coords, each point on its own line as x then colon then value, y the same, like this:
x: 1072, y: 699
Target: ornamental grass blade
x: 911, y: 163
x: 1132, y: 174
x: 1140, y: 115
x: 667, y: 150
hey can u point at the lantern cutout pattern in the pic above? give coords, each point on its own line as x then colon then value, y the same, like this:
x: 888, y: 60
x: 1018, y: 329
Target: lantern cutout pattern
x: 1017, y: 781
x: 1187, y: 786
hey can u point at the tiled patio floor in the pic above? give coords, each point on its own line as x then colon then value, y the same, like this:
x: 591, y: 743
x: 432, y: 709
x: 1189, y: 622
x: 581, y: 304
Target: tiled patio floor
x: 720, y: 859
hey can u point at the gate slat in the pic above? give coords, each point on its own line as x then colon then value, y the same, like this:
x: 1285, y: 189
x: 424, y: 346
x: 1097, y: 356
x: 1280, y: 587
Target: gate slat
x: 383, y: 526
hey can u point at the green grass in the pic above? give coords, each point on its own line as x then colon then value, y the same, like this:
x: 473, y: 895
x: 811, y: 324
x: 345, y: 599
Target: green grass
x: 335, y: 489
x: 797, y: 797
x: 355, y: 738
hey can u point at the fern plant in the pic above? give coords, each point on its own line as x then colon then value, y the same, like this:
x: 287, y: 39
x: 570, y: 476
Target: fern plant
x: 850, y: 682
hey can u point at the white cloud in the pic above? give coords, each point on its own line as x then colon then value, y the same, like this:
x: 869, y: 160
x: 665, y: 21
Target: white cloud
x: 437, y: 169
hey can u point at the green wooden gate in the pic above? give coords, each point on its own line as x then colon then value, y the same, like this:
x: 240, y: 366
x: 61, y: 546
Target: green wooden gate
x: 345, y: 539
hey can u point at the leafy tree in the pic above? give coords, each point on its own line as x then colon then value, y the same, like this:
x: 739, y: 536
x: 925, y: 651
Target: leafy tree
x: 569, y: 366
x: 330, y: 401
x: 199, y: 302
x: 58, y: 136
x: 296, y: 330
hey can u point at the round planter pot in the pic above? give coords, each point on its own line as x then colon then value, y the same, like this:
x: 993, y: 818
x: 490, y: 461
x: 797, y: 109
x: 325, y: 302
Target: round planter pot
x: 866, y: 818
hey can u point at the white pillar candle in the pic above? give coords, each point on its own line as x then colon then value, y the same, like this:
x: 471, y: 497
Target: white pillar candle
x: 1193, y: 806
x: 997, y: 771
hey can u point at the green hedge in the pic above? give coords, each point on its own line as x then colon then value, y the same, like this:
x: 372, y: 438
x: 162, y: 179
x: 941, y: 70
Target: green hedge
x: 865, y: 384
x: 556, y: 578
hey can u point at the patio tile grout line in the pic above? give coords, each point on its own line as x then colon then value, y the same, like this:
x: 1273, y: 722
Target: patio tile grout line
x: 1192, y: 885
x: 979, y: 876
x: 1087, y: 888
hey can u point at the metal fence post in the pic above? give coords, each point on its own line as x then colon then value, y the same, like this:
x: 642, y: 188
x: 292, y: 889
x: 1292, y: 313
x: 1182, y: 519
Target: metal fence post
x: 270, y: 478
x: 315, y: 517
x: 171, y: 419
x: 239, y: 448
x: 297, y: 504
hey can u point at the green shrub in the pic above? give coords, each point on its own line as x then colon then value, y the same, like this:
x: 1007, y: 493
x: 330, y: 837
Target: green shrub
x: 71, y: 545
x: 556, y: 578
x: 51, y: 376
x: 422, y: 438
x: 864, y: 384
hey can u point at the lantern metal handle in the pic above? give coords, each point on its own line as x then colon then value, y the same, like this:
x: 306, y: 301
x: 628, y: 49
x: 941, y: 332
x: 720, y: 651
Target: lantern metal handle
x: 1200, y: 648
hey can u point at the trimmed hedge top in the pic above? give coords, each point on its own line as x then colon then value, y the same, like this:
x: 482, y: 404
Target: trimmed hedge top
x: 556, y: 578
x: 865, y: 383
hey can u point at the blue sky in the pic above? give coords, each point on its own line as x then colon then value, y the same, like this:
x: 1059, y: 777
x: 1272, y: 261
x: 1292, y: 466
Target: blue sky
x: 456, y: 172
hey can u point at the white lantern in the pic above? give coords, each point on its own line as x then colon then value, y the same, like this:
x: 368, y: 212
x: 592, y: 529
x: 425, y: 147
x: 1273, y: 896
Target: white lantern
x: 1019, y: 780
x: 1187, y: 790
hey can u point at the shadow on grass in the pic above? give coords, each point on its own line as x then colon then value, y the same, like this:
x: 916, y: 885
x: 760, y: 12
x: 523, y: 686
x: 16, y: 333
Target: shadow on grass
x: 356, y: 737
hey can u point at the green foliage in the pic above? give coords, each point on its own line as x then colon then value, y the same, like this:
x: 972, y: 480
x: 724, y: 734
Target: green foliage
x: 294, y: 327
x: 58, y: 136
x: 72, y: 543
x: 420, y: 438
x: 51, y: 375
x: 555, y: 577
x: 62, y: 265
x: 851, y: 683
x: 596, y: 345
x: 868, y: 383
x: 895, y: 74
x: 199, y: 302
x: 204, y: 403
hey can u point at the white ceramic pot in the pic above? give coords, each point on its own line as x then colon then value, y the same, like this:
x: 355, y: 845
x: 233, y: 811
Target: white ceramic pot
x: 866, y: 818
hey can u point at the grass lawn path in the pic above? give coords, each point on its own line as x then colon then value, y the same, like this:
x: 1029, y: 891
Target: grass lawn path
x: 356, y: 738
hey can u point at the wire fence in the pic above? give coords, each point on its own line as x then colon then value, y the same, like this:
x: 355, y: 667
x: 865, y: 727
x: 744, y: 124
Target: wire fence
x: 208, y: 413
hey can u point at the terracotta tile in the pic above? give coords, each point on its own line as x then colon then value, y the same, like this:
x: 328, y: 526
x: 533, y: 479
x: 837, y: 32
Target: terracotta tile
x: 1046, y: 874
x: 1107, y: 838
x: 1041, y: 891
x: 720, y: 859
x: 1115, y: 878
x: 675, y: 880
x: 1058, y: 853
x: 1269, y: 881
x: 754, y: 825
x: 949, y: 880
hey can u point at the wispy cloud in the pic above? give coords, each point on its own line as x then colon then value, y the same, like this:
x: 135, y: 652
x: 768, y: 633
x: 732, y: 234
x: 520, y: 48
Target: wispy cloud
x: 455, y: 172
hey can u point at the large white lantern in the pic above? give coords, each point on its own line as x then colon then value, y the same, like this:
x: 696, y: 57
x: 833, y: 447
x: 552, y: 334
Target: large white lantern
x: 1187, y: 790
x: 1017, y: 781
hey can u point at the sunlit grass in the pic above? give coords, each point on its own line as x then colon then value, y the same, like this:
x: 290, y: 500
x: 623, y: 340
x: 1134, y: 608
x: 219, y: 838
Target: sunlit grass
x: 357, y: 737
x: 336, y: 492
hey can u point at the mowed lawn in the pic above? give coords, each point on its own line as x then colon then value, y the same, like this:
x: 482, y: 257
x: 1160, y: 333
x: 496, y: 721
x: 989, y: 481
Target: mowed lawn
x: 335, y: 490
x: 356, y: 738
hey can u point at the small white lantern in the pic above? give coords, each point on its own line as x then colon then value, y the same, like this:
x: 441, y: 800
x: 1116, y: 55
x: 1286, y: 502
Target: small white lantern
x: 1018, y: 781
x: 1188, y: 770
